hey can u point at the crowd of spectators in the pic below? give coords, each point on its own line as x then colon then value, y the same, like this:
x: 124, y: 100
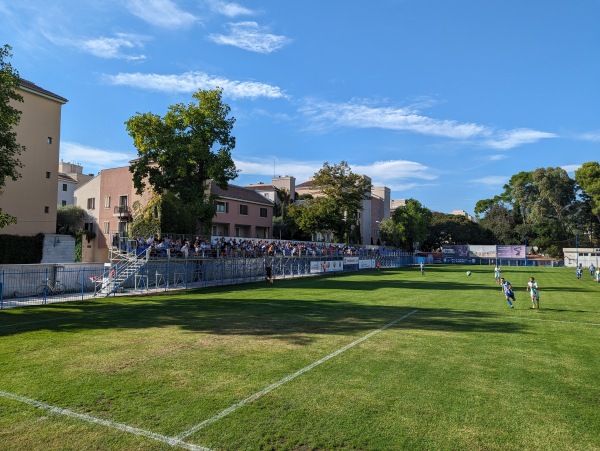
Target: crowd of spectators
x: 242, y: 247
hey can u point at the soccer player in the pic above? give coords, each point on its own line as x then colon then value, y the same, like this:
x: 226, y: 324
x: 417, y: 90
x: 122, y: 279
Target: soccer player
x: 508, y: 291
x: 268, y: 275
x: 422, y: 268
x: 497, y: 271
x: 579, y: 272
x: 534, y: 291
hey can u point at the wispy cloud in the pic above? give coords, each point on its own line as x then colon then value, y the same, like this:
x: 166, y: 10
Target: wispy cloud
x: 498, y: 157
x: 265, y: 168
x: 92, y: 158
x: 322, y: 115
x: 571, y: 168
x: 230, y: 9
x: 192, y: 81
x: 514, y: 138
x: 393, y: 170
x: 250, y: 36
x: 592, y: 136
x: 112, y: 47
x: 361, y: 114
x: 161, y: 13
x: 492, y: 180
x: 395, y: 174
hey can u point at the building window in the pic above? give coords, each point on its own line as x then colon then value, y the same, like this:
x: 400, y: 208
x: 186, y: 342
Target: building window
x: 64, y: 186
x: 107, y: 202
x: 88, y: 226
x: 244, y: 210
x: 266, y: 195
x: 237, y: 231
x: 263, y: 212
x: 222, y: 207
x: 91, y: 203
x: 46, y: 209
x: 49, y: 139
x: 106, y: 227
x: 48, y: 175
x: 123, y: 201
x: 64, y: 203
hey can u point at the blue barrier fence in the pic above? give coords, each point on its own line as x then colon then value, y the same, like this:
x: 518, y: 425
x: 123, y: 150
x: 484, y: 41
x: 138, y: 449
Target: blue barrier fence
x: 60, y: 284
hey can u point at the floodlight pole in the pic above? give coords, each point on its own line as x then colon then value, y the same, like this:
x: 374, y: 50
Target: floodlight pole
x: 576, y: 250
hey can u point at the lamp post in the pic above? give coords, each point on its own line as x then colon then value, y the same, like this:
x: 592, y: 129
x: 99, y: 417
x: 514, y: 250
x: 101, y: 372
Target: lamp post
x: 525, y: 243
x: 577, y: 249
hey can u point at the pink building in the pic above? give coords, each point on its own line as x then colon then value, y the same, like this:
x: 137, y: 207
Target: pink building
x: 242, y: 212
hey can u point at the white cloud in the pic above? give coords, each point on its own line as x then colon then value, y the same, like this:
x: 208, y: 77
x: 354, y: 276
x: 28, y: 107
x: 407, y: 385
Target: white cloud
x: 323, y: 115
x: 230, y: 9
x: 91, y: 158
x: 382, y: 172
x: 592, y: 136
x: 161, y: 13
x: 491, y: 180
x: 571, y: 168
x: 250, y: 36
x: 498, y: 157
x: 113, y: 48
x: 192, y: 81
x: 395, y: 174
x: 514, y: 138
x: 265, y: 167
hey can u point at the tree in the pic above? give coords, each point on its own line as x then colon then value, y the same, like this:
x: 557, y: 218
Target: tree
x: 389, y: 233
x: 412, y: 221
x: 181, y: 151
x: 10, y: 149
x: 588, y: 180
x: 455, y: 229
x: 341, y: 201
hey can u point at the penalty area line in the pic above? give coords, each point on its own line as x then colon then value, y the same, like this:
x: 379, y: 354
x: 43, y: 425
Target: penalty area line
x: 172, y: 441
x: 280, y: 382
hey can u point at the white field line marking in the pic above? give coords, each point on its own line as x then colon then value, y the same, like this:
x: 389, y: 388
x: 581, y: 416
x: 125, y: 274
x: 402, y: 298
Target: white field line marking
x: 277, y: 384
x: 172, y: 441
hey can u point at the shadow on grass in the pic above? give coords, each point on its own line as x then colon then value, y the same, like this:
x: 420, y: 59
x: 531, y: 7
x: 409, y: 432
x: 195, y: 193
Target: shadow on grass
x: 289, y: 319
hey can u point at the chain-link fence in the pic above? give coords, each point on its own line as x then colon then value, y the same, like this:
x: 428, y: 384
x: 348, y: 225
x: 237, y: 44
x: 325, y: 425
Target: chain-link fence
x: 55, y: 283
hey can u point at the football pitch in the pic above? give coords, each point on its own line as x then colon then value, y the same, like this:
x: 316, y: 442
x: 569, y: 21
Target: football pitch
x: 377, y: 360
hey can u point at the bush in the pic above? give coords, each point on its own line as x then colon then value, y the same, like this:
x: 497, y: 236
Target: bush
x: 16, y: 249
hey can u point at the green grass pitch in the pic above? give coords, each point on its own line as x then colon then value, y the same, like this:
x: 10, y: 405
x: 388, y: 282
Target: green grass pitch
x: 375, y: 360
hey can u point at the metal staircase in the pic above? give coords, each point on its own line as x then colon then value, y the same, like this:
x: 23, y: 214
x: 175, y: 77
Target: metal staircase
x: 124, y: 266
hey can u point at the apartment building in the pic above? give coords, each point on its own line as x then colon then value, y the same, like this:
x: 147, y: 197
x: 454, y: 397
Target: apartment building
x: 374, y: 209
x: 70, y: 177
x: 242, y: 212
x: 33, y: 197
x: 107, y: 200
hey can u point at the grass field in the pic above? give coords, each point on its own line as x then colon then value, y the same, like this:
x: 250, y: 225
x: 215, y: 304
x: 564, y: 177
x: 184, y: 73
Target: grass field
x: 380, y: 360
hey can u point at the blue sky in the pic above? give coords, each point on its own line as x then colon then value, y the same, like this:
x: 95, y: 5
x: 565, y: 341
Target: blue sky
x: 442, y: 101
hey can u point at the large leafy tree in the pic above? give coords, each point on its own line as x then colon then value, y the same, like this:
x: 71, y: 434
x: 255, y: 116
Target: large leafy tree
x: 588, y: 179
x: 455, y: 229
x: 343, y: 193
x: 179, y: 152
x: 10, y: 149
x: 411, y: 224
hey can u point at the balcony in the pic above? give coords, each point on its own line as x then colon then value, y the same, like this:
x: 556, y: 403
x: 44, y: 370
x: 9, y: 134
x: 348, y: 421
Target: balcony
x: 122, y: 211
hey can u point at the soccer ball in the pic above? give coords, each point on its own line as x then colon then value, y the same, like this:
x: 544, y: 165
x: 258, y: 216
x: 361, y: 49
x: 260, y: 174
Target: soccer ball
x: 468, y: 273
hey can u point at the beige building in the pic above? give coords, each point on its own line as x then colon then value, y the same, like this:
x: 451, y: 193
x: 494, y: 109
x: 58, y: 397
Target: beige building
x: 70, y: 177
x: 374, y: 209
x: 33, y: 197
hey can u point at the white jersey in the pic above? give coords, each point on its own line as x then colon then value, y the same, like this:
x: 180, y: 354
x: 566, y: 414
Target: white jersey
x: 534, y: 289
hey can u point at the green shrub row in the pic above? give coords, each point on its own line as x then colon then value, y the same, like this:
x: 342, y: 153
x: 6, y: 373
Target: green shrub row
x: 15, y: 249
